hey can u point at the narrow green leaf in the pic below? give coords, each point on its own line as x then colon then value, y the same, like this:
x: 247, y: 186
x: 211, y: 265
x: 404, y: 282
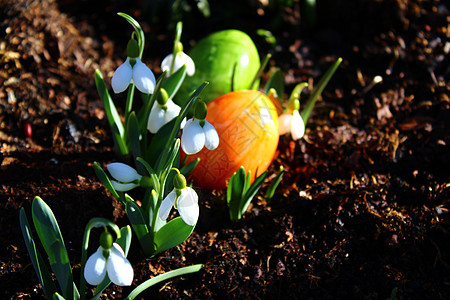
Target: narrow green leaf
x: 255, y: 82
x: 105, y: 180
x: 57, y: 296
x: 48, y: 231
x: 276, y: 81
x: 134, y: 135
x: 44, y: 276
x: 274, y: 184
x: 235, y: 192
x: 157, y: 279
x: 172, y: 234
x: 187, y: 169
x: 318, y: 90
x: 176, y: 128
x: 251, y: 192
x: 140, y: 227
x: 112, y: 115
x: 174, y: 81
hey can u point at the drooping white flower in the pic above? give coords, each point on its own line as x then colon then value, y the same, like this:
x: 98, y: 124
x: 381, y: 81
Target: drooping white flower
x: 116, y: 266
x: 126, y: 178
x: 195, y: 136
x: 181, y: 59
x: 186, y: 204
x: 163, y: 114
x: 293, y: 123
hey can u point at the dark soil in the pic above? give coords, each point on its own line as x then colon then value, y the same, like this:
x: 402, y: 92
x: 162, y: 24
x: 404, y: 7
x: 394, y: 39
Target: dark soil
x: 362, y: 211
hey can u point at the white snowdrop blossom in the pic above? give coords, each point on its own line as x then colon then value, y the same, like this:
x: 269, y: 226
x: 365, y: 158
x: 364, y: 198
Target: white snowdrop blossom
x: 163, y: 114
x: 181, y: 59
x: 116, y: 266
x: 195, y: 136
x: 293, y: 123
x: 186, y: 204
x: 126, y: 178
x: 137, y: 73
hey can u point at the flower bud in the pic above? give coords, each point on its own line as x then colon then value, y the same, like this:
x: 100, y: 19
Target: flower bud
x: 163, y: 97
x: 178, y: 47
x: 200, y: 110
x: 179, y: 181
x: 106, y: 240
x: 296, y: 105
x: 132, y: 48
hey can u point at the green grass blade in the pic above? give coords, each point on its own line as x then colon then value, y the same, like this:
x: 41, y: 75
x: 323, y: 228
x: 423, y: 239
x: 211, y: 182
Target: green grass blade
x: 274, y: 184
x: 168, y: 275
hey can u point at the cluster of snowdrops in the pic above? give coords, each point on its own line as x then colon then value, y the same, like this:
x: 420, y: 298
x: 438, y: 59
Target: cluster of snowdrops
x: 188, y: 131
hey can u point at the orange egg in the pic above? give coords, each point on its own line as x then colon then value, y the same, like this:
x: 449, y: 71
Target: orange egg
x: 247, y: 124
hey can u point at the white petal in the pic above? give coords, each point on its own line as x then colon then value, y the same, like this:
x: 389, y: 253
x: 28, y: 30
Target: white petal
x: 183, y: 123
x: 187, y: 206
x: 143, y: 77
x: 119, y: 269
x: 284, y: 123
x: 172, y: 111
x: 211, y: 136
x: 166, y: 205
x: 190, y: 66
x: 123, y: 187
x: 122, y: 77
x: 166, y: 64
x: 157, y: 118
x: 193, y: 137
x: 123, y: 172
x: 95, y: 268
x: 297, y: 126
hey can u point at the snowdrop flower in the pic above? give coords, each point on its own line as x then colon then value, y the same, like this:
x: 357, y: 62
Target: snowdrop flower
x: 292, y: 122
x: 109, y: 260
x: 133, y: 70
x: 199, y: 133
x: 126, y: 178
x: 181, y: 59
x: 163, y: 111
x: 185, y: 200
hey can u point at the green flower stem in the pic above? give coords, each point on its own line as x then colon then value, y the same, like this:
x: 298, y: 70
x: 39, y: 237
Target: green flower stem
x: 175, y: 44
x: 94, y: 222
x: 261, y: 69
x: 296, y: 92
x: 168, y: 275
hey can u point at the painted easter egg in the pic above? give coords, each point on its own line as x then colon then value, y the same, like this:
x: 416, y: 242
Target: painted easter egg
x: 247, y: 124
x: 227, y: 59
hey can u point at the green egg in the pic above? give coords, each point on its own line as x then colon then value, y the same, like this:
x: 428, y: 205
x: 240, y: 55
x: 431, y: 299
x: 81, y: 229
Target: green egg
x: 217, y: 57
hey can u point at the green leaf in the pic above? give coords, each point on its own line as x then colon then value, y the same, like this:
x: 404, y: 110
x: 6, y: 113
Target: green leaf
x: 251, y: 192
x: 105, y: 180
x: 44, y: 276
x: 276, y: 81
x: 57, y: 296
x: 187, y: 169
x: 112, y: 115
x: 274, y: 184
x: 318, y: 90
x: 235, y: 192
x: 172, y: 234
x: 48, y: 231
x: 140, y: 227
x: 174, y: 81
x: 176, y: 128
x: 133, y: 135
x: 157, y: 279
